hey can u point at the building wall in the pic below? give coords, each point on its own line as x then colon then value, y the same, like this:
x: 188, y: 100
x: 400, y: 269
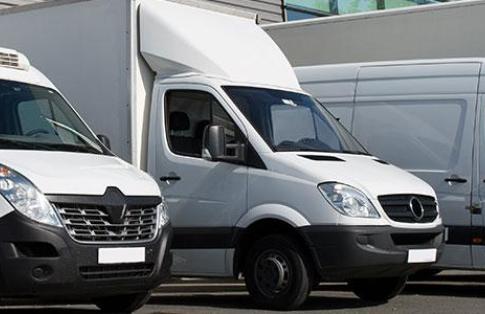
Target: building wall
x: 269, y: 11
x: 449, y: 30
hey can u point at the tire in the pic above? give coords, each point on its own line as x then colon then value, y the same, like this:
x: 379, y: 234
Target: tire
x: 378, y: 289
x: 276, y: 274
x: 122, y: 303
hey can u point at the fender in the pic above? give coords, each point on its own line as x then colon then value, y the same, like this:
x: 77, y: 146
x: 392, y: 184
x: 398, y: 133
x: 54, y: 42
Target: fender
x: 275, y: 211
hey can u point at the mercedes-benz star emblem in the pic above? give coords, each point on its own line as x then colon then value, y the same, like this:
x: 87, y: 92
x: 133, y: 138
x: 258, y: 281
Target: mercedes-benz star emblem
x: 416, y: 208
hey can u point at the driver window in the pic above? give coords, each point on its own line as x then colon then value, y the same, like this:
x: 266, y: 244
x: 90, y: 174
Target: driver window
x: 188, y: 114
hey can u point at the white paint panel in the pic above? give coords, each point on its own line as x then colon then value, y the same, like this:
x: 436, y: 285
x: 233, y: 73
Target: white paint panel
x: 178, y: 38
x: 78, y: 174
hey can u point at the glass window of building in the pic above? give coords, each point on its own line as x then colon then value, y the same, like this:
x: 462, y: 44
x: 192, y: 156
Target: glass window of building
x: 305, y: 9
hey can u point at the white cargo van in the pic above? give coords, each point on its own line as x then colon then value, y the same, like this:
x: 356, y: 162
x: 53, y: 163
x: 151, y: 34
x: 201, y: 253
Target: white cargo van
x: 260, y: 180
x: 425, y: 116
x: 76, y: 222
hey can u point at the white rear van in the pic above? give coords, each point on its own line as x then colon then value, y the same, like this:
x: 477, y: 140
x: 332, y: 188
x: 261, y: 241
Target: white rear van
x: 425, y: 116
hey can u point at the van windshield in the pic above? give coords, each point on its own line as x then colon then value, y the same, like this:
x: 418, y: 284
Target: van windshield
x: 290, y: 121
x: 38, y: 118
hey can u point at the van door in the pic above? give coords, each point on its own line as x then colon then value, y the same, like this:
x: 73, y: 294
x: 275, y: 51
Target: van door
x: 205, y: 198
x: 421, y: 118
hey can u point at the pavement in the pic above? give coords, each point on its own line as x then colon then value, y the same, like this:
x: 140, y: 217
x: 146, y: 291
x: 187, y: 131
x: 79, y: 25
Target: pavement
x: 448, y: 292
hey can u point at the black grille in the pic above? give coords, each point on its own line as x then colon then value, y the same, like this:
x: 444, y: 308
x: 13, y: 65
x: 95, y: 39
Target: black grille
x: 398, y: 209
x: 115, y: 271
x: 93, y: 224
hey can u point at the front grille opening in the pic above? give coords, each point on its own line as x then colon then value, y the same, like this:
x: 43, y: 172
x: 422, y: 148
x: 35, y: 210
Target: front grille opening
x: 36, y: 249
x: 410, y: 239
x: 118, y: 271
x: 397, y: 208
x: 88, y: 223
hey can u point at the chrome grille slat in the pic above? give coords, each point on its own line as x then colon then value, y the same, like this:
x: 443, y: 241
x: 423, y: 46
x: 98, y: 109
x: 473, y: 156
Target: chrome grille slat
x: 397, y: 208
x: 93, y: 224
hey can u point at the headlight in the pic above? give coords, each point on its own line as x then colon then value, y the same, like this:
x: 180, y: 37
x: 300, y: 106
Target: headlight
x: 26, y: 198
x: 348, y: 200
x: 163, y: 217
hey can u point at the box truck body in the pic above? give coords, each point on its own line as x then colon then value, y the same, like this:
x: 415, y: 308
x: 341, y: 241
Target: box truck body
x: 448, y: 30
x: 259, y: 179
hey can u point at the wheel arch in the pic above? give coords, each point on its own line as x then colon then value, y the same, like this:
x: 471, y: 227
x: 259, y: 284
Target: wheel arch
x: 264, y: 227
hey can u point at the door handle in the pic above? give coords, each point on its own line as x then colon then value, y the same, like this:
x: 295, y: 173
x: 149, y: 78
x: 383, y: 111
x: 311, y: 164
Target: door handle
x: 455, y: 179
x: 170, y: 178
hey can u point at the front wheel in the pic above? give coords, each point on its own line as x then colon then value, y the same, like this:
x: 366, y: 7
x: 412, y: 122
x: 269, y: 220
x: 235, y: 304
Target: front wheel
x: 378, y: 289
x: 122, y: 303
x: 276, y: 273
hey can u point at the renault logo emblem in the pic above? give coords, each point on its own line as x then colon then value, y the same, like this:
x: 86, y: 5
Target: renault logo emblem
x: 416, y: 208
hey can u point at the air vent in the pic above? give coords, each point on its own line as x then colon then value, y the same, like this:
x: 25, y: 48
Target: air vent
x: 321, y: 158
x: 382, y: 161
x: 10, y: 60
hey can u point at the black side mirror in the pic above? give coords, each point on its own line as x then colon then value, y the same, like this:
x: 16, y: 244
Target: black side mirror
x: 214, y: 143
x: 105, y: 140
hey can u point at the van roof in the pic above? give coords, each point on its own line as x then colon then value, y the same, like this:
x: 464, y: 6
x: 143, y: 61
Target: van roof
x: 345, y: 71
x: 14, y: 66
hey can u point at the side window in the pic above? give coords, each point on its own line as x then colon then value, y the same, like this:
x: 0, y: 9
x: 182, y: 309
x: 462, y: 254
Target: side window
x: 188, y: 113
x: 412, y: 135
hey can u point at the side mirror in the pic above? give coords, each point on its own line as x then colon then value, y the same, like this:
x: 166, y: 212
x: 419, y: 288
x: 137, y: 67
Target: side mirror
x: 214, y: 143
x: 105, y: 140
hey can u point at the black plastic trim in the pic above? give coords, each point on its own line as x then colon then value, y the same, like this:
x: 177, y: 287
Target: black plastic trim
x: 322, y: 158
x: 61, y: 279
x: 111, y: 197
x: 465, y: 235
x: 205, y: 237
x: 346, y: 252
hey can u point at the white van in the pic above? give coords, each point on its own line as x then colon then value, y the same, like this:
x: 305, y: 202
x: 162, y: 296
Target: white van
x: 425, y: 116
x: 260, y: 180
x: 76, y: 222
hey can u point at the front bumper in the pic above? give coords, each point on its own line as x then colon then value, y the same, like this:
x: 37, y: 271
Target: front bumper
x: 349, y: 252
x: 39, y: 261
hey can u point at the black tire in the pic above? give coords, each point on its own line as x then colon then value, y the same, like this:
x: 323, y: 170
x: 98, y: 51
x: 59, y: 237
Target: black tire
x: 378, y: 289
x: 276, y: 274
x: 122, y: 303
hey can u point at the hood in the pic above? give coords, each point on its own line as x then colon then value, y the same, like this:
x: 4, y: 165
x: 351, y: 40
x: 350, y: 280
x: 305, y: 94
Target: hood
x: 367, y: 173
x: 78, y: 174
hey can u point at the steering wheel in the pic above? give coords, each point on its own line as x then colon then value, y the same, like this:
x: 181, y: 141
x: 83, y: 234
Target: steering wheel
x: 36, y: 131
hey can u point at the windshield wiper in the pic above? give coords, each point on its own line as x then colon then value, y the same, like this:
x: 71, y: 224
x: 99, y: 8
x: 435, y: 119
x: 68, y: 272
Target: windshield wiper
x: 82, y: 137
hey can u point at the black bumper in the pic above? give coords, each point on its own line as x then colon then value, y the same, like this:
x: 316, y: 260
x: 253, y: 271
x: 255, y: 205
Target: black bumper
x: 347, y: 252
x: 38, y: 261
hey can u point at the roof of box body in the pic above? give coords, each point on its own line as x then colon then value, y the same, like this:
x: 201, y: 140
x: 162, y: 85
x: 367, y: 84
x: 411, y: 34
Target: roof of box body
x: 178, y: 38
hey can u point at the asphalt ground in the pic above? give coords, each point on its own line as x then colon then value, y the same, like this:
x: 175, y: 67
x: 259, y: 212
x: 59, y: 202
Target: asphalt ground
x: 448, y: 292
